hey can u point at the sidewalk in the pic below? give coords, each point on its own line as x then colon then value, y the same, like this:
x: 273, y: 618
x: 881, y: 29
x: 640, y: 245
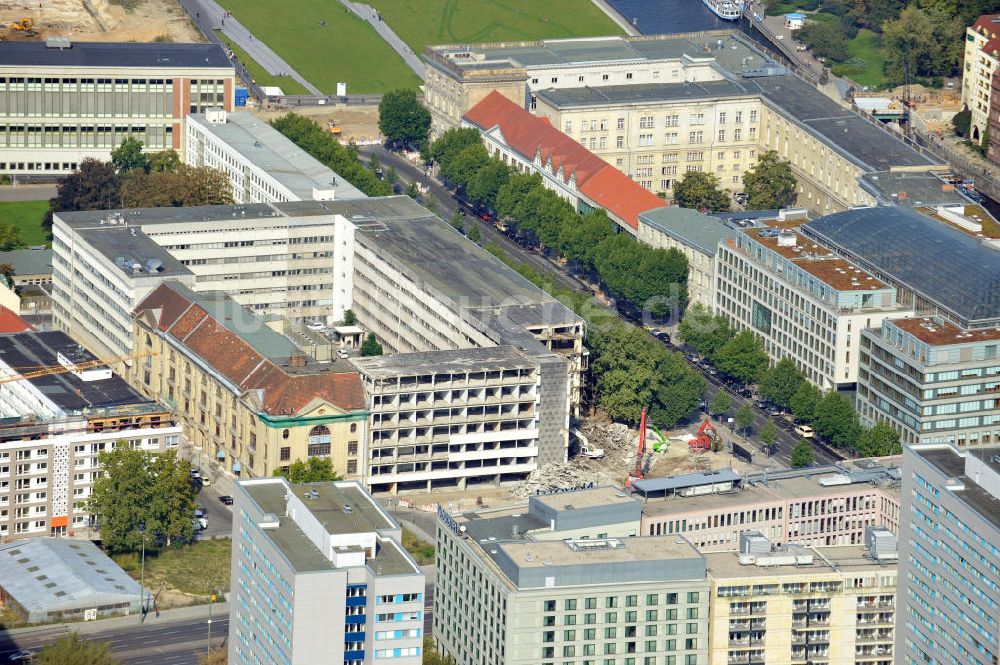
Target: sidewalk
x: 104, y: 625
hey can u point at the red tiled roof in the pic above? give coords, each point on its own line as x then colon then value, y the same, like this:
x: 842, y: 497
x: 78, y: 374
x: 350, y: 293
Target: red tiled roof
x: 989, y: 26
x: 281, y: 392
x: 597, y: 180
x: 10, y: 322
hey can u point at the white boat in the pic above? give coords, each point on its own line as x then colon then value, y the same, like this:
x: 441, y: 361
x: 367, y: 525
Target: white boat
x: 727, y: 10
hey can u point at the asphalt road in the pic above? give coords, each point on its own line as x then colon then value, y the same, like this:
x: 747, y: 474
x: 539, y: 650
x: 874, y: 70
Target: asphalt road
x: 218, y: 515
x: 447, y: 203
x: 149, y: 643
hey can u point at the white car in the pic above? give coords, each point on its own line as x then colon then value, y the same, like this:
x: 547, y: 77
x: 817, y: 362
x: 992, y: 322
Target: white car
x: 21, y: 656
x: 805, y: 431
x: 316, y: 326
x: 200, y: 524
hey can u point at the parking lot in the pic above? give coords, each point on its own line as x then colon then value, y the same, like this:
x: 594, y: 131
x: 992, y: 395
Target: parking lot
x: 218, y: 515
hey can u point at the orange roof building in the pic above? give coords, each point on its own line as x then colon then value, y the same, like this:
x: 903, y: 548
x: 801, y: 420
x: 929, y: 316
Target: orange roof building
x: 247, y: 396
x: 10, y: 322
x: 531, y: 144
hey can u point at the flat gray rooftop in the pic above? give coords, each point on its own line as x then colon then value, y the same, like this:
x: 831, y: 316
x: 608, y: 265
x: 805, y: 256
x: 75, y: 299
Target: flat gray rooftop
x: 127, y: 247
x: 702, y: 232
x: 952, y: 465
x: 30, y: 261
x: 157, y: 55
x: 568, y: 98
x: 544, y: 553
x: 919, y: 189
x: 599, y: 496
x: 844, y: 559
x: 328, y: 508
x: 438, y: 362
x: 268, y: 149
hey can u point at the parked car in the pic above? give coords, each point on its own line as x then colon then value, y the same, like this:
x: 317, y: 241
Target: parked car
x: 205, y: 480
x: 663, y: 336
x: 315, y: 326
x: 200, y: 524
x: 805, y: 431
x: 21, y: 656
x: 195, y: 473
x: 199, y: 513
x: 226, y: 499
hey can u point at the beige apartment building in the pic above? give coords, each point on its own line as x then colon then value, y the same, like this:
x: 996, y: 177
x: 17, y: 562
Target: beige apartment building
x: 245, y: 395
x: 659, y: 106
x: 789, y: 605
x: 982, y: 52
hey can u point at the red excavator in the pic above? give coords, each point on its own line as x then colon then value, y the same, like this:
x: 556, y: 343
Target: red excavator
x: 640, y: 454
x: 703, y: 440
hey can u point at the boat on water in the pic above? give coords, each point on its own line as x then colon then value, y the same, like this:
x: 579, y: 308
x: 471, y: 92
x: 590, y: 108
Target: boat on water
x: 727, y: 10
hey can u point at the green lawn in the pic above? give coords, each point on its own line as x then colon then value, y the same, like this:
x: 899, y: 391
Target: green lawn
x: 418, y: 549
x: 791, y: 6
x: 27, y: 216
x: 423, y: 22
x: 288, y: 85
x: 199, y: 568
x: 326, y: 44
x: 865, y: 65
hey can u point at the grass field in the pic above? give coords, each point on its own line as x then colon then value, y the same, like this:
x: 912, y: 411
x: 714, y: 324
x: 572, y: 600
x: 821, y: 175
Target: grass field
x: 326, y: 44
x: 288, y: 85
x: 27, y: 217
x: 418, y: 549
x: 867, y: 58
x: 423, y: 22
x: 197, y: 569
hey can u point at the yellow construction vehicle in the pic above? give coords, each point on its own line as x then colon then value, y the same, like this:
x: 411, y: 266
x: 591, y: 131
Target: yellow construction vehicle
x: 24, y: 25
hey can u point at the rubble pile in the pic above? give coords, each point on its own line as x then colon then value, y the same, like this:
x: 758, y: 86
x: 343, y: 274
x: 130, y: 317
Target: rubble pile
x: 618, y: 441
x: 558, y: 476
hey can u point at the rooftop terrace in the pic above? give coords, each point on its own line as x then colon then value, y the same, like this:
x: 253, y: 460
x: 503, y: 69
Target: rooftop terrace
x: 937, y: 331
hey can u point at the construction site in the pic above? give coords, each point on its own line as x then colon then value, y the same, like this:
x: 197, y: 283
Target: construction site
x: 96, y: 21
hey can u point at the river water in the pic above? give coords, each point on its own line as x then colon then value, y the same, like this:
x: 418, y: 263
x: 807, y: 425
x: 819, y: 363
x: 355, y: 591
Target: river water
x: 653, y: 17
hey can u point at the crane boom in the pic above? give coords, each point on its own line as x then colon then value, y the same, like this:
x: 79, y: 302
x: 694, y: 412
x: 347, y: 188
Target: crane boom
x: 46, y: 370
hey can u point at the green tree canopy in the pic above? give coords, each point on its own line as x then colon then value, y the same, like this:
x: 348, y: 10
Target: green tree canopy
x: 804, y: 401
x: 743, y: 357
x: 826, y: 39
x: 403, y: 119
x: 93, y: 186
x: 802, y: 454
x: 580, y: 240
x: 450, y: 144
x: 310, y: 470
x: 881, y: 440
x: 769, y: 434
x: 350, y: 318
x: 514, y: 191
x: 720, y: 404
x: 140, y: 487
x: 129, y: 156
x: 187, y: 186
x: 700, y: 190
x: 834, y: 418
x: 308, y: 135
x: 473, y: 234
x: 10, y: 238
x: 703, y: 331
x: 371, y: 346
x: 769, y: 185
x: 464, y: 167
x: 71, y: 650
x: 164, y: 160
x: 780, y: 382
x: 677, y: 389
x: 744, y: 419
x: 486, y: 183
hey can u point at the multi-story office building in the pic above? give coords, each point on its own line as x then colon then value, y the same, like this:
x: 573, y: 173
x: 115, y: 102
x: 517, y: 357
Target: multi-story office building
x: 485, y: 368
x: 319, y: 575
x: 567, y: 579
x: 413, y: 281
x: 272, y: 260
x: 247, y: 397
x: 787, y: 605
x: 53, y: 426
x: 933, y: 381
x: 263, y: 166
x: 982, y: 51
x: 804, y: 301
x: 817, y: 507
x: 529, y: 144
x: 948, y: 556
x: 695, y: 235
x: 657, y: 107
x: 61, y: 102
x: 937, y: 268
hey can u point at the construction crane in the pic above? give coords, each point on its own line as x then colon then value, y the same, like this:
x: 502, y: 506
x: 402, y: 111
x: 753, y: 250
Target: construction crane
x: 637, y: 472
x: 69, y: 366
x: 702, y: 441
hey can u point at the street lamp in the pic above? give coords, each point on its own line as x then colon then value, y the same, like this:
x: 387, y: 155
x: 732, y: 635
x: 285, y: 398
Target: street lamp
x: 142, y: 575
x: 208, y: 642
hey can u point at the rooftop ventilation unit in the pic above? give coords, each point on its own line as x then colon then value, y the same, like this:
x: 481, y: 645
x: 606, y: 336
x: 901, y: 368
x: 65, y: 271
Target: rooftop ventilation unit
x: 60, y: 43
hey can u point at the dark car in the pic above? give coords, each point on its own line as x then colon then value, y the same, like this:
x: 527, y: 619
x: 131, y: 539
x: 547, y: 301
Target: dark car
x: 226, y: 499
x: 663, y: 336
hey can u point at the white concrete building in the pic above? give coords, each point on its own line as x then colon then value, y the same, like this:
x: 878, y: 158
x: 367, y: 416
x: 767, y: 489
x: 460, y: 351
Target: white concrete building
x: 61, y: 102
x: 53, y: 427
x: 319, y: 576
x: 263, y: 166
x: 804, y: 301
